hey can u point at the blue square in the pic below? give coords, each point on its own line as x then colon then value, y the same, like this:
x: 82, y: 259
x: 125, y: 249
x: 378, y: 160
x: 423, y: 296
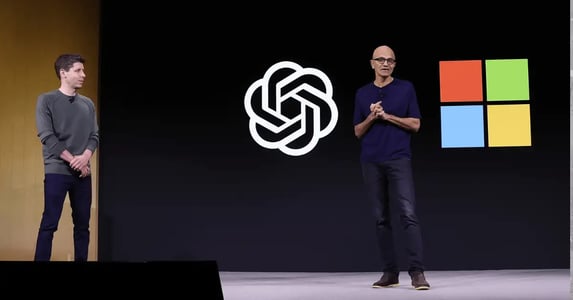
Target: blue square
x: 462, y: 126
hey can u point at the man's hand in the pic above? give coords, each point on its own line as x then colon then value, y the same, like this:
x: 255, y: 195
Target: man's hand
x: 375, y: 106
x: 378, y: 110
x: 85, y: 171
x: 79, y: 162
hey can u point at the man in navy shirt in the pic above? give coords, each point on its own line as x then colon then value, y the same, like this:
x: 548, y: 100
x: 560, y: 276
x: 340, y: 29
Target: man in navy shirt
x: 386, y: 113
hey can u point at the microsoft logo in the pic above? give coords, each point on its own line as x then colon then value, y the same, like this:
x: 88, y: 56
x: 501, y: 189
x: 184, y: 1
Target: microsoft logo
x: 500, y: 117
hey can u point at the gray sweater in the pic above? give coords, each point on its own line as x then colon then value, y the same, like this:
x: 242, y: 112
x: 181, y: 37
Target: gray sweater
x: 65, y: 122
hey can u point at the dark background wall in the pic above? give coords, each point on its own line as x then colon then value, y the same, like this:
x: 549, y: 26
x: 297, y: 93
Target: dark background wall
x: 182, y: 179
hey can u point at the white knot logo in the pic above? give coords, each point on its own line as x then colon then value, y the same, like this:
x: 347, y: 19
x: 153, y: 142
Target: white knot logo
x: 291, y: 108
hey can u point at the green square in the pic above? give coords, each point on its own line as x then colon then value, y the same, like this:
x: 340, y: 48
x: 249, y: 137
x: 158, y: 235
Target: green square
x: 507, y: 79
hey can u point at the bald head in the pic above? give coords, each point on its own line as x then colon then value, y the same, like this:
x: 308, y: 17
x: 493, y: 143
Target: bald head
x: 383, y: 51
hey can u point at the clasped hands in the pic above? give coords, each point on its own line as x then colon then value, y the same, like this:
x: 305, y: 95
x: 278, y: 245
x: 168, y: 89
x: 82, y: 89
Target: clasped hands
x: 80, y: 163
x: 377, y: 111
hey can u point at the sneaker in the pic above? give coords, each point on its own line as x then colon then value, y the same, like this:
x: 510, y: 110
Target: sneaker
x: 388, y: 279
x: 419, y: 281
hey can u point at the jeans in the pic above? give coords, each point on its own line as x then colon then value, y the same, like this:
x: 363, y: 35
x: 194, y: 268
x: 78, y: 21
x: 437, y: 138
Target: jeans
x: 56, y: 187
x: 391, y: 184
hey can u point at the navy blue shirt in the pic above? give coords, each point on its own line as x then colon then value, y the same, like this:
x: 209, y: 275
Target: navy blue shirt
x: 385, y: 141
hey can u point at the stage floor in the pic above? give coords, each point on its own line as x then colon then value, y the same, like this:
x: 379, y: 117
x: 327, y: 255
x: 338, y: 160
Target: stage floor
x: 455, y: 285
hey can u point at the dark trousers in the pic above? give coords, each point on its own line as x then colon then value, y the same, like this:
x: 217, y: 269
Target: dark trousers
x: 56, y: 187
x: 391, y: 184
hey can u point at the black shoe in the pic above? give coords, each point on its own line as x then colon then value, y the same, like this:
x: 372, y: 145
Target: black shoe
x: 419, y: 281
x: 388, y: 279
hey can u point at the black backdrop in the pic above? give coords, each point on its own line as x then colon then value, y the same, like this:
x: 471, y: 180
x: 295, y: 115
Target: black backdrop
x: 182, y: 179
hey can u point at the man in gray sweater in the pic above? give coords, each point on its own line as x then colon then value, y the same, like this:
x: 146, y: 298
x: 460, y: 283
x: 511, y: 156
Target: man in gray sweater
x: 68, y: 130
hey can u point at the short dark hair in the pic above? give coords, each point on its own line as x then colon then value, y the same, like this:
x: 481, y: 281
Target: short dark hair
x: 66, y: 62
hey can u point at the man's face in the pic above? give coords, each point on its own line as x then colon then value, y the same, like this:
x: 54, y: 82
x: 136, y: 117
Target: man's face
x: 74, y: 77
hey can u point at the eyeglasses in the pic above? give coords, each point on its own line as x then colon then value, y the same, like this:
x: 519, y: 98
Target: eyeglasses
x: 382, y: 60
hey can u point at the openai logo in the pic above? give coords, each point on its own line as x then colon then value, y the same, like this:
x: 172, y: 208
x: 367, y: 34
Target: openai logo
x: 291, y: 108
